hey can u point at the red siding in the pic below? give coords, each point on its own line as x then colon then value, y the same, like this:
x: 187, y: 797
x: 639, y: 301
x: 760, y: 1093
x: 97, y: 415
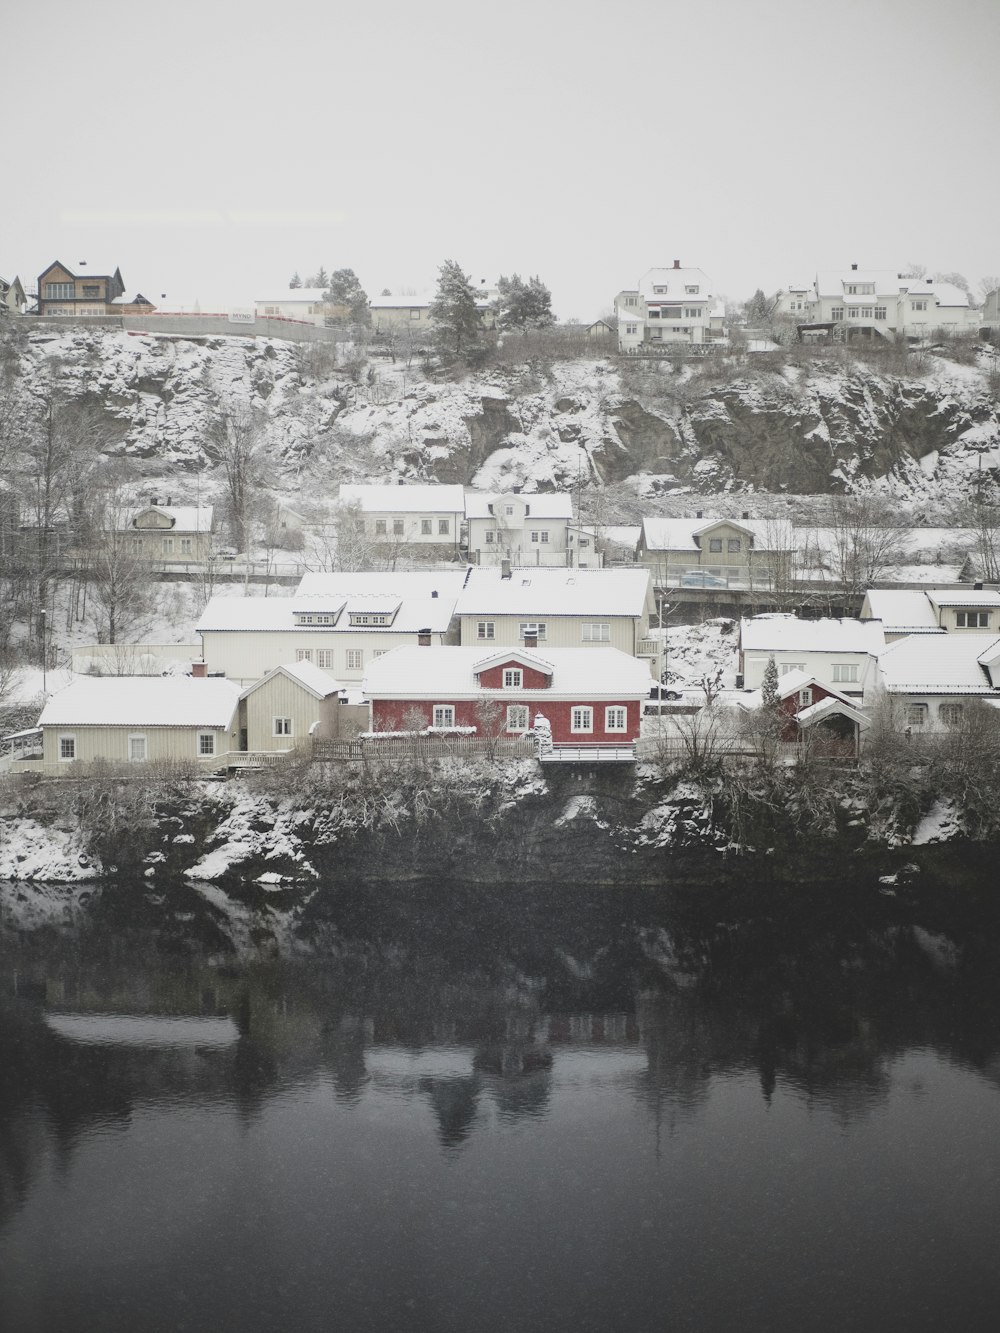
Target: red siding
x: 399, y: 714
x: 533, y: 679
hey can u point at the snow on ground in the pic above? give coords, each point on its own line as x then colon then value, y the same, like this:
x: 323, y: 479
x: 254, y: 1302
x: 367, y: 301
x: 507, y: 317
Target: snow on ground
x: 695, y: 652
x: 33, y: 851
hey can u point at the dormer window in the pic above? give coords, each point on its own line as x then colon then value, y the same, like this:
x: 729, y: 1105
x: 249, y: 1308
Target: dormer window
x: 369, y: 618
x: 316, y: 618
x: 691, y: 291
x: 513, y: 678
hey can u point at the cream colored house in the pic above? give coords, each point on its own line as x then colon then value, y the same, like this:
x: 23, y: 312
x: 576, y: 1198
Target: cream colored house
x: 426, y: 518
x: 885, y: 302
x: 305, y: 305
x: 290, y: 705
x: 561, y: 608
x: 412, y: 310
x: 670, y: 307
x: 172, y: 533
x: 933, y: 679
x: 338, y: 622
x: 905, y: 611
x: 526, y: 530
x: 718, y: 553
x: 12, y: 297
x: 842, y: 654
x: 139, y: 719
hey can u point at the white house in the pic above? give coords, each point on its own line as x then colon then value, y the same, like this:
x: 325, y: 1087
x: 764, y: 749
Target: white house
x: 933, y: 678
x: 561, y: 608
x: 424, y: 517
x: 288, y: 706
x: 841, y: 654
x: 339, y: 622
x: 904, y: 611
x: 176, y: 533
x: 717, y: 553
x: 526, y: 530
x: 669, y: 306
x: 401, y: 310
x: 884, y: 301
x: 304, y: 304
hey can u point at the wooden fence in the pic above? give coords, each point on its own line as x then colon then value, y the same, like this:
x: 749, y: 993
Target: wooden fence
x: 424, y: 747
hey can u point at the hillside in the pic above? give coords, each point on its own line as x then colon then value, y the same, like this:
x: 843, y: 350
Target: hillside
x: 806, y: 424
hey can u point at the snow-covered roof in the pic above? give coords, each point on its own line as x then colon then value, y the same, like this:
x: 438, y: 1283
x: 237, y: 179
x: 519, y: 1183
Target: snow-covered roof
x: 903, y: 609
x: 789, y: 682
x: 312, y: 678
x: 450, y: 673
x: 412, y: 592
x: 948, y: 664
x: 414, y: 301
x: 551, y: 504
x: 787, y: 633
x: 828, y: 707
x: 247, y: 613
x: 405, y: 499
x: 675, y: 280
x: 555, y: 592
x: 142, y: 701
x: 304, y: 295
x: 985, y: 597
x: 678, y: 534
x: 185, y: 518
x: 886, y: 281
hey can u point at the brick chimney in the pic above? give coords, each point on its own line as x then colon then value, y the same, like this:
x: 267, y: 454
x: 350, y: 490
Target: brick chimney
x: 199, y: 669
x: 677, y: 263
x: 424, y: 638
x: 530, y: 640
x: 505, y: 569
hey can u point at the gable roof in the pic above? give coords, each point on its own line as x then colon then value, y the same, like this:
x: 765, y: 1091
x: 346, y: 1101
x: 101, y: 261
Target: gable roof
x: 534, y: 592
x: 450, y: 673
x: 184, y: 518
x: 444, y: 499
x: 319, y: 683
x: 790, y: 682
x: 548, y: 504
x: 679, y: 534
x: 787, y: 633
x: 142, y: 701
x: 945, y: 664
x: 903, y: 610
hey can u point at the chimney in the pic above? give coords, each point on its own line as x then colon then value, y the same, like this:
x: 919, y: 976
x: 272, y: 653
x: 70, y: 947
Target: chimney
x: 700, y: 514
x: 434, y: 592
x: 854, y: 268
x: 199, y: 670
x: 505, y: 569
x: 530, y: 640
x: 677, y: 263
x: 977, y: 587
x: 746, y: 513
x: 424, y: 638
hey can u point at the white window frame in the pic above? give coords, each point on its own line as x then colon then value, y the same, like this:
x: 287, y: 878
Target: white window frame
x: 616, y: 718
x: 355, y: 659
x: 66, y: 748
x: 537, y: 627
x: 186, y: 547
x: 426, y: 527
x: 595, y: 632
x: 518, y: 714
x: 303, y: 654
x: 281, y: 726
x: 486, y: 629
x: 916, y: 714
x: 134, y: 738
x: 443, y: 715
x: 513, y: 678
x: 950, y: 713
x: 581, y: 719
x: 785, y: 667
x: 398, y: 527
x: 324, y: 658
x: 380, y: 527
x: 444, y: 527
x: 972, y: 619
x: 205, y: 744
x: 845, y: 673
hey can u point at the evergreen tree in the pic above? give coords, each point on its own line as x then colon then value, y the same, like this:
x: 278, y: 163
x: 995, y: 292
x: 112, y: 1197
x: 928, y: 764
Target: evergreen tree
x: 345, y: 289
x: 456, y: 319
x: 769, y: 685
x: 523, y: 305
x: 321, y: 279
x: 296, y: 281
x: 758, y: 309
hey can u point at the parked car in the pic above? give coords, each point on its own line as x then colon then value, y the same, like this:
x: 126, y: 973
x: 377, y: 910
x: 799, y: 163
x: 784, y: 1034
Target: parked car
x: 664, y: 692
x: 701, y: 578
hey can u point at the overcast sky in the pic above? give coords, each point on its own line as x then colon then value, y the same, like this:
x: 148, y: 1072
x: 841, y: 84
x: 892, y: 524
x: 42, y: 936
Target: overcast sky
x: 209, y: 148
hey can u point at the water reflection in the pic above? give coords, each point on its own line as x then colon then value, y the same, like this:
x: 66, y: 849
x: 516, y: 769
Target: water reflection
x: 619, y: 1067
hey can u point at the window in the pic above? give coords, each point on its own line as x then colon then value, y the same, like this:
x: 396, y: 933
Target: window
x: 733, y: 545
x: 536, y: 627
x: 355, y: 659
x: 534, y: 536
x: 691, y: 291
x: 168, y: 545
x: 517, y: 717
x: 91, y: 289
x: 631, y: 328
x: 513, y: 678
x: 206, y: 742
x: 380, y: 527
x: 443, y: 715
x: 596, y: 633
x: 378, y: 652
x: 973, y: 619
x: 880, y: 312
x: 654, y: 312
x: 185, y: 546
x: 581, y: 719
x: 303, y: 654
x: 785, y: 667
x: 916, y: 715
x: 369, y: 618
x: 715, y: 545
x: 485, y: 629
x: 397, y: 527
x: 136, y: 543
x: 489, y: 539
x: 657, y: 291
x: 137, y: 749
x: 425, y: 527
x: 544, y: 537
x: 508, y: 510
x: 414, y: 314
x: 58, y: 291
x: 918, y: 305
x: 282, y: 726
x: 805, y: 698
x: 844, y: 672
x: 837, y: 313
x: 692, y: 312
x: 324, y: 659
x: 616, y: 719
x: 950, y: 714
x: 444, y: 527
x: 67, y: 747
x: 633, y: 300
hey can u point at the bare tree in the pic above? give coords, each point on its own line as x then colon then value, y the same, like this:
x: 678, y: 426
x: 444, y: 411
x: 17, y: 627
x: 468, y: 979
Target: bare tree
x: 236, y: 443
x: 121, y: 592
x: 864, y: 540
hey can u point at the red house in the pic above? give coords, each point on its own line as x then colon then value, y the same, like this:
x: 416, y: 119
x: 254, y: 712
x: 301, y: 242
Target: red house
x: 810, y: 706
x: 589, y: 696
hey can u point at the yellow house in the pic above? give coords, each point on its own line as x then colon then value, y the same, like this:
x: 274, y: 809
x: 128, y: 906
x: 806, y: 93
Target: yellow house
x: 290, y: 705
x: 174, y: 533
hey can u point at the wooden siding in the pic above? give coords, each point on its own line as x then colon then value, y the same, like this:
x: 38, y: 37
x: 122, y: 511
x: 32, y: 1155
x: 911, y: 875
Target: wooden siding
x: 284, y: 697
x: 561, y: 631
x: 245, y: 655
x: 403, y: 714
x: 178, y: 744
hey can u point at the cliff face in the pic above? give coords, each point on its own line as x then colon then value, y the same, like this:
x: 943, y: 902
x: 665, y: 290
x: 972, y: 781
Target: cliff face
x: 802, y: 428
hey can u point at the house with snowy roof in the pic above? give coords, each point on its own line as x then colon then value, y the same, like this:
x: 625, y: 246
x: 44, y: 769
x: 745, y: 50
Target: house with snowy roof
x: 719, y: 553
x: 175, y: 533
x: 588, y: 697
x: 412, y: 310
x: 887, y: 302
x: 306, y: 305
x: 292, y: 705
x: 905, y: 611
x: 812, y: 712
x: 139, y: 719
x: 416, y: 519
x: 339, y: 622
x: 839, y: 654
x: 526, y: 530
x: 561, y: 608
x: 13, y: 298
x: 670, y: 308
x: 933, y: 679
